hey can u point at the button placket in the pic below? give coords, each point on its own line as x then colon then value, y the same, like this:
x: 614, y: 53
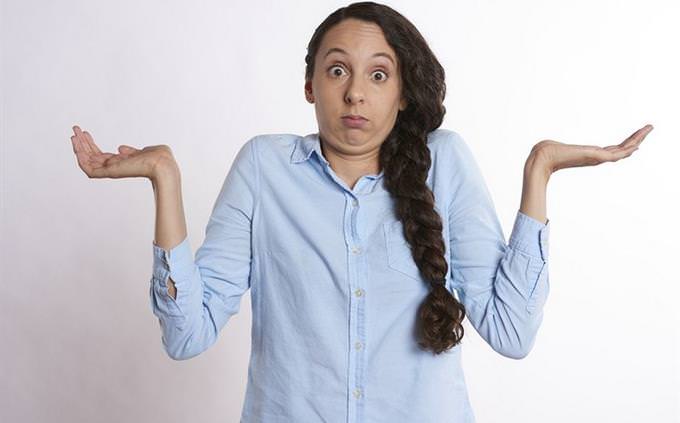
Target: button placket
x: 357, y: 314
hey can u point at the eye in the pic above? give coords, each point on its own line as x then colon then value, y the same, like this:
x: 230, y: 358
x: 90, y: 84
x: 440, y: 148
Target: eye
x: 333, y: 73
x: 382, y: 78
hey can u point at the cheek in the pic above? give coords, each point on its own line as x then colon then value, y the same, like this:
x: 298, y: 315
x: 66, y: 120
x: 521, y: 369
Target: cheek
x: 325, y: 114
x: 322, y: 110
x: 388, y: 106
x: 328, y: 105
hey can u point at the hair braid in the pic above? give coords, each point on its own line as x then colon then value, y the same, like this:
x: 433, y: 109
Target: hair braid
x: 406, y: 159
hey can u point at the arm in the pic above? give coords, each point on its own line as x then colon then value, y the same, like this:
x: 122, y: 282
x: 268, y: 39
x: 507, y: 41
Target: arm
x: 502, y: 286
x: 207, y: 290
x: 536, y: 176
x: 170, y: 228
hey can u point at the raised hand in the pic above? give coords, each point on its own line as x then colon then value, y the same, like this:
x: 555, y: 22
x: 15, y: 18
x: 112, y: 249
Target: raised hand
x: 556, y: 155
x: 129, y: 162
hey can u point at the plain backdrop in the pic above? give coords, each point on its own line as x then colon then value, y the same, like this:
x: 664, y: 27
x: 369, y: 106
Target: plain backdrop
x: 79, y: 342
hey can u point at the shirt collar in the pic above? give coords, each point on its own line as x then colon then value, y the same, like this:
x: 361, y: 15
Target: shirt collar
x: 305, y: 146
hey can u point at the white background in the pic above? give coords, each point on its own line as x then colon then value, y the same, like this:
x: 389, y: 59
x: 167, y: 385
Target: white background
x: 79, y: 341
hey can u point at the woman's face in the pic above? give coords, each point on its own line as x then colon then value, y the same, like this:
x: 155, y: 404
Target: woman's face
x: 356, y: 72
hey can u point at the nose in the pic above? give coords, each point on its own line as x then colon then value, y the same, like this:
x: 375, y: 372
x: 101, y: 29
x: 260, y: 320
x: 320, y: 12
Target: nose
x: 355, y: 92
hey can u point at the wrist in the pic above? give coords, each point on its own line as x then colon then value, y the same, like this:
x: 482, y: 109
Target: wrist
x: 537, y: 166
x: 165, y: 177
x: 164, y: 169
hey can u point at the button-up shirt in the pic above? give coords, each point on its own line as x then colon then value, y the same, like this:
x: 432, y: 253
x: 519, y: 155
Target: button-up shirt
x: 335, y: 290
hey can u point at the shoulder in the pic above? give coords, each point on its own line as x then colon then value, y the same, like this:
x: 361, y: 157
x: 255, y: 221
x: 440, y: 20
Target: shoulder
x: 452, y: 158
x: 447, y: 142
x: 444, y: 137
x: 273, y: 152
x: 273, y: 141
x: 265, y: 146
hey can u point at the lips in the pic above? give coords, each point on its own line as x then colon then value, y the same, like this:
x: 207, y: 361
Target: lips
x: 354, y: 121
x: 354, y: 117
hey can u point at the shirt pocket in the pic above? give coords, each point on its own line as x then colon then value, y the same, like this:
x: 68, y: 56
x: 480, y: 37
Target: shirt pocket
x: 399, y: 256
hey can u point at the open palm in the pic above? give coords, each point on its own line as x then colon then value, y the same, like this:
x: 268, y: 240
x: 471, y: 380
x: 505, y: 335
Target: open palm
x: 559, y: 155
x: 129, y: 162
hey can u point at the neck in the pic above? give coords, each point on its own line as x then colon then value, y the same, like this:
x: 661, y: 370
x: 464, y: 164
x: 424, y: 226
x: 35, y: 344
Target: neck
x: 352, y: 167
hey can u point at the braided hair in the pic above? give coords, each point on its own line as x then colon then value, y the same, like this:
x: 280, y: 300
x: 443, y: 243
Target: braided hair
x: 405, y: 158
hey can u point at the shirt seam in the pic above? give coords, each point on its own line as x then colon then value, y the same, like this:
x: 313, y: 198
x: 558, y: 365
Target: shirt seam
x: 255, y: 263
x: 256, y: 206
x: 256, y: 164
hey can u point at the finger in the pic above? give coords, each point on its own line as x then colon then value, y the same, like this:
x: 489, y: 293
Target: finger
x: 81, y: 142
x: 647, y: 128
x: 78, y: 146
x: 82, y: 157
x: 645, y: 132
x: 86, y: 158
x: 74, y: 144
x: 90, y: 141
x: 622, y: 146
x: 639, y: 135
x: 616, y: 154
x: 126, y: 149
x: 84, y: 144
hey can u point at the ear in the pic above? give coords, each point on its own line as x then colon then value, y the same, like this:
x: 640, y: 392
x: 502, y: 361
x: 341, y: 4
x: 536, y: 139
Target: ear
x: 308, y: 92
x: 403, y: 104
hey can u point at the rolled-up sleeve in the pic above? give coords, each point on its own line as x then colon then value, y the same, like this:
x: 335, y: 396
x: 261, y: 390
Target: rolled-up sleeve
x: 209, y: 287
x: 502, y: 286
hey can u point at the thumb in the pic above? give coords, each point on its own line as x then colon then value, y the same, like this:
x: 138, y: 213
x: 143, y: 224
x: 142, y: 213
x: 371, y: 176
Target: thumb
x: 125, y: 149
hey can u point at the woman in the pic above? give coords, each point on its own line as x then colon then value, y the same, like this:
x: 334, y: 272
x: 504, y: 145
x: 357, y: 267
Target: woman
x: 365, y: 245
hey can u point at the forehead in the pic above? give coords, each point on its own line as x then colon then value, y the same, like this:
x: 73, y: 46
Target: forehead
x: 358, y: 38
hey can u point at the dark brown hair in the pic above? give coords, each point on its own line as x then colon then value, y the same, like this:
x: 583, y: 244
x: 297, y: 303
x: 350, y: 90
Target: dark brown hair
x: 405, y: 159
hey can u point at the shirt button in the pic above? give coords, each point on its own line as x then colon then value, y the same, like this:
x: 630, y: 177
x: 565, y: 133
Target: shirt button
x: 356, y: 250
x: 357, y: 393
x: 354, y: 203
x: 359, y: 292
x: 358, y: 345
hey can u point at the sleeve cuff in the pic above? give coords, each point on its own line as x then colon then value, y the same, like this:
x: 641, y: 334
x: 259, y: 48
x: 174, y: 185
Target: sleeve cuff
x: 530, y: 236
x: 178, y: 262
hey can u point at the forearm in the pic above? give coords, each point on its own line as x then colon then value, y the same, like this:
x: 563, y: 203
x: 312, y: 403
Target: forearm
x: 170, y: 227
x: 505, y: 289
x: 536, y: 176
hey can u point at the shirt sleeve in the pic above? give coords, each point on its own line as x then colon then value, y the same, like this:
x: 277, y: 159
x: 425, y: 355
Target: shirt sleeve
x: 503, y: 287
x: 209, y: 288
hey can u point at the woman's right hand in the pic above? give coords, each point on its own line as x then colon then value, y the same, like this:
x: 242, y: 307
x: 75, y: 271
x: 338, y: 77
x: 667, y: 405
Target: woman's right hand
x: 129, y: 162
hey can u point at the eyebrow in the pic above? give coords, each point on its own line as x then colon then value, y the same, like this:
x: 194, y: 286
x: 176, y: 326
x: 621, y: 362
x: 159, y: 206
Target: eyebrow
x: 339, y: 50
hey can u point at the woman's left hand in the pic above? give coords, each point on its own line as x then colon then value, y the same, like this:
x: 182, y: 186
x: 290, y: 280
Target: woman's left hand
x: 556, y: 155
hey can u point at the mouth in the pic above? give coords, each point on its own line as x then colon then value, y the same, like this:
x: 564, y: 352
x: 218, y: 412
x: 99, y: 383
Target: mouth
x: 354, y: 121
x: 354, y: 117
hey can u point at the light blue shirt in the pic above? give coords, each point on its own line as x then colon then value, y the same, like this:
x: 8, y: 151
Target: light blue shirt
x: 334, y: 288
